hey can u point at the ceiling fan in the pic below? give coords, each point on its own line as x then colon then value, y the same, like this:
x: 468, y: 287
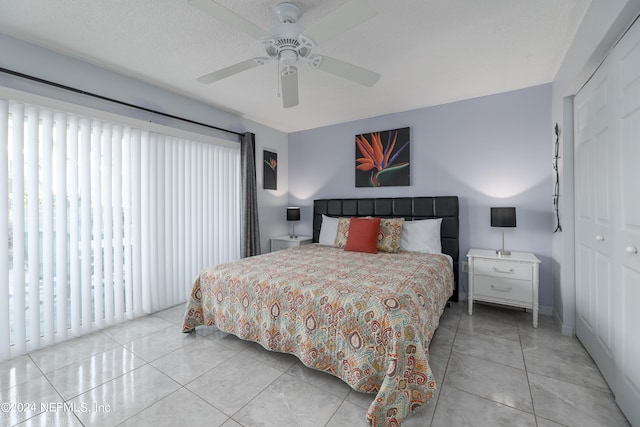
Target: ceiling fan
x: 288, y: 43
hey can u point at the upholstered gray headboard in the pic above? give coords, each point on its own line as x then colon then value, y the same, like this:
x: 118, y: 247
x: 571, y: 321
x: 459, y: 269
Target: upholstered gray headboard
x: 409, y: 208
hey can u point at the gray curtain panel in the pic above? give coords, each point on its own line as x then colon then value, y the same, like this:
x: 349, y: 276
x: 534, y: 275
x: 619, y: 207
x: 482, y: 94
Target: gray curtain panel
x: 250, y: 226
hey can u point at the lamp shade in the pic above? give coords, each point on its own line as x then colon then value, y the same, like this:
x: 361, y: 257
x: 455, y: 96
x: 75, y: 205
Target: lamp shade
x: 503, y: 217
x: 293, y: 213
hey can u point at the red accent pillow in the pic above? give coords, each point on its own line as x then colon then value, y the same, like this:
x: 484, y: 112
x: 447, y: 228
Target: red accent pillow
x: 363, y: 235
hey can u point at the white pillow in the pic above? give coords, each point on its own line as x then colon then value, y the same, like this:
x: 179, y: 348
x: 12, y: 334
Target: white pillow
x: 328, y: 230
x: 421, y: 236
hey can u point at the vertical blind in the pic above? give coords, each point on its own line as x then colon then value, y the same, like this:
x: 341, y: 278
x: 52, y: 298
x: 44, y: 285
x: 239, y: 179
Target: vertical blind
x: 102, y: 222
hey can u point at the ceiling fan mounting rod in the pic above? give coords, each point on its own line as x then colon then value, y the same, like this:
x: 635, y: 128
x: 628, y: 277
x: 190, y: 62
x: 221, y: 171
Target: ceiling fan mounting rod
x: 285, y: 41
x: 287, y: 12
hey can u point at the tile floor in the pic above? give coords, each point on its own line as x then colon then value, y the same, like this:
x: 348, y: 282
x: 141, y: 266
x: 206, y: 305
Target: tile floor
x: 493, y: 369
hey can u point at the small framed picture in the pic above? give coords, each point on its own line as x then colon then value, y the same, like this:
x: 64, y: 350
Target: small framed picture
x: 270, y: 170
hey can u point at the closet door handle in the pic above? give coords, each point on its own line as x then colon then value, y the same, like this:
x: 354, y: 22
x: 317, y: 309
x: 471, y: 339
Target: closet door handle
x: 600, y: 238
x: 632, y: 249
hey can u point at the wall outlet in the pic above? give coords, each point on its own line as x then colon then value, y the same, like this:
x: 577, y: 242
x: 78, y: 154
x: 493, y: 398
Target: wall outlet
x: 465, y: 266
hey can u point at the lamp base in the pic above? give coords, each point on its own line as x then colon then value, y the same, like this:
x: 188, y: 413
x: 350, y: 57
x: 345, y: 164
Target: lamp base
x: 502, y: 252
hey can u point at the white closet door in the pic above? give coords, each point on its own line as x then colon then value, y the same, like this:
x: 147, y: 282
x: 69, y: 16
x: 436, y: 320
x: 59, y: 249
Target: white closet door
x: 627, y: 243
x: 594, y: 170
x: 607, y: 191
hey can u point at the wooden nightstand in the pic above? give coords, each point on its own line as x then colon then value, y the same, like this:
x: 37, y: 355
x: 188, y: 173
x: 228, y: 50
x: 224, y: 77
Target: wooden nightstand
x: 510, y: 280
x: 284, y: 242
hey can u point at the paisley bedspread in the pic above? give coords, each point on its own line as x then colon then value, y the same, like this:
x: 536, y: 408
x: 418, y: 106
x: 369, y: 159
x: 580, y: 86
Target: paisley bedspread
x: 365, y: 318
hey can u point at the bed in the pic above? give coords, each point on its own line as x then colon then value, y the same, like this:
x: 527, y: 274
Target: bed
x: 365, y: 318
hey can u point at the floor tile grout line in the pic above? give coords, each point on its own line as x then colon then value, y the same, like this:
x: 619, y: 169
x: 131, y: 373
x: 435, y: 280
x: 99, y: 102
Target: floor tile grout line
x: 561, y: 379
x: 69, y: 342
x: 54, y: 388
x: 491, y: 400
x: 151, y: 404
x: 483, y: 397
x: 488, y: 360
x: 533, y: 404
x: 344, y: 399
x: 337, y: 409
x: 182, y: 387
x: 255, y: 397
x: 526, y: 371
x: 123, y: 346
x: 574, y: 384
x: 108, y: 381
x: 446, y: 368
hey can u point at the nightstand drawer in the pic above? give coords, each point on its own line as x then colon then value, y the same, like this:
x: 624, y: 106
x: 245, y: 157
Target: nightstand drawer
x: 504, y: 269
x: 498, y: 288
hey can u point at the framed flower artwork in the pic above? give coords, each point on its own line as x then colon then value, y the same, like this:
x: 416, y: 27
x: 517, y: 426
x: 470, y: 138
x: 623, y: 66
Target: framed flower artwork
x: 270, y: 170
x: 382, y: 158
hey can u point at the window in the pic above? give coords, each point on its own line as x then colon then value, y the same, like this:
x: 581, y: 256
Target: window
x: 102, y: 222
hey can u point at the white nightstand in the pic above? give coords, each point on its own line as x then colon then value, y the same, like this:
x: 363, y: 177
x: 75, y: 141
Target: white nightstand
x: 510, y: 280
x: 284, y: 242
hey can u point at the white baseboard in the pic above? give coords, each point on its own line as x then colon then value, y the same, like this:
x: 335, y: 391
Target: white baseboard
x: 545, y: 310
x: 565, y: 329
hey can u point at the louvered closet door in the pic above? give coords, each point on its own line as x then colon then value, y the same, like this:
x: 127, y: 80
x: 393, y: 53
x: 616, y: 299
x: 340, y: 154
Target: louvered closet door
x: 594, y: 225
x: 627, y: 117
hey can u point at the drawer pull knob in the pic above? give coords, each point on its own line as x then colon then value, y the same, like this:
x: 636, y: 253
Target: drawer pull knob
x: 501, y: 289
x: 509, y: 271
x: 632, y: 249
x: 600, y: 238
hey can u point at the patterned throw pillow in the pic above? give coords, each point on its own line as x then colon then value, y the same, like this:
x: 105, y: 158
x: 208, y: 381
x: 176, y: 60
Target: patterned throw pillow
x: 343, y: 232
x: 390, y: 234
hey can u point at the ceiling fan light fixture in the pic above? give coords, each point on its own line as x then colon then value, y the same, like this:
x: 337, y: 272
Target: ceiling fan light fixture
x: 288, y: 57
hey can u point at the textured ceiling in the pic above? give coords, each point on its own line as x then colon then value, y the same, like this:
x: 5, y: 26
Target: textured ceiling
x: 428, y: 52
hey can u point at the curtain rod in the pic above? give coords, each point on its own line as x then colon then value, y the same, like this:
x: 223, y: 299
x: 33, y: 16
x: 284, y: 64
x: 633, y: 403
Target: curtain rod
x: 104, y: 98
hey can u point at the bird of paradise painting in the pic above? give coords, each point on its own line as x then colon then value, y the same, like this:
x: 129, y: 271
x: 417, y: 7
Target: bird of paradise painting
x: 382, y: 158
x: 270, y: 170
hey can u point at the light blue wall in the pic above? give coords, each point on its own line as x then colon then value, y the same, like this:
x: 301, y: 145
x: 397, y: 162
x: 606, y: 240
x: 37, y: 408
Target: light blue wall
x: 489, y: 151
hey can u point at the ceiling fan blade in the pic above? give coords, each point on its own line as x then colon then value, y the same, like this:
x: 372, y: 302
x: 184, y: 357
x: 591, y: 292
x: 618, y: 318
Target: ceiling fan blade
x: 345, y: 70
x: 347, y: 16
x: 289, y: 81
x: 225, y: 15
x: 231, y: 70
